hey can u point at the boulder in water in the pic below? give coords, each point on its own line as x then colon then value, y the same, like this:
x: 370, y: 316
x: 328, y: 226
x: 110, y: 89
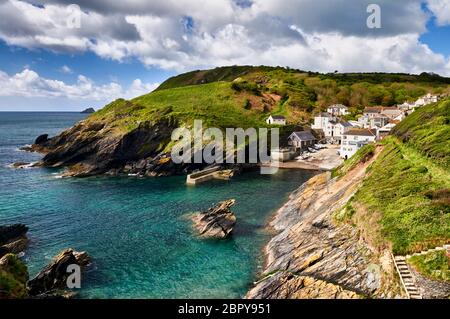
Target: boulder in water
x: 52, y: 280
x: 217, y: 222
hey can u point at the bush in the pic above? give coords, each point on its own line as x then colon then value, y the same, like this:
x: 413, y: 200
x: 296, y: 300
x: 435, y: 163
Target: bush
x: 434, y: 265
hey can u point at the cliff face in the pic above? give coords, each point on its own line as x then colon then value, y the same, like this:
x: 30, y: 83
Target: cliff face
x: 93, y: 147
x: 315, y: 256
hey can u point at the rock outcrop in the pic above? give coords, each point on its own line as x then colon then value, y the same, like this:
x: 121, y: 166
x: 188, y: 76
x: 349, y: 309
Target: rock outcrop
x: 217, y: 222
x: 96, y: 146
x: 118, y: 140
x: 41, y: 139
x: 21, y: 165
x: 315, y: 256
x: 286, y: 285
x: 52, y: 280
x: 89, y: 110
x: 13, y: 239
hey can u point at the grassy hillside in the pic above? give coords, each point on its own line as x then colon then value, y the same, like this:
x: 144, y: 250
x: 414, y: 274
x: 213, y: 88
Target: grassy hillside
x: 428, y: 131
x: 243, y: 96
x: 404, y: 202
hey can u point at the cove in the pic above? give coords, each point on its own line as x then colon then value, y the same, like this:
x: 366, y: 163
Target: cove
x: 135, y: 229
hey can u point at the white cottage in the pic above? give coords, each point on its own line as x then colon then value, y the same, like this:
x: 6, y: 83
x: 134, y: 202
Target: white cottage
x: 378, y: 121
x: 354, y: 139
x: 276, y: 120
x: 339, y: 129
x: 321, y: 121
x: 427, y: 99
x: 338, y: 110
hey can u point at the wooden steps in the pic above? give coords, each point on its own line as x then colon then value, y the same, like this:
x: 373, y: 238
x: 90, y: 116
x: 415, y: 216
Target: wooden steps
x: 407, y: 278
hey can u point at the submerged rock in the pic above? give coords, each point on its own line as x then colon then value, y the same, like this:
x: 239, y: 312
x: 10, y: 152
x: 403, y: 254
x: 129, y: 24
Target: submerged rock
x: 216, y: 222
x: 52, y: 280
x: 21, y: 165
x: 13, y: 239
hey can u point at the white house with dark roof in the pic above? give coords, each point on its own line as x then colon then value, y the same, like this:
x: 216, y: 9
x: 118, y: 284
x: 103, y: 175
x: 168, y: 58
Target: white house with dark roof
x: 321, y: 121
x: 300, y: 140
x: 354, y: 139
x: 276, y: 120
x: 340, y: 128
x: 338, y: 110
x: 378, y: 121
x: 392, y: 112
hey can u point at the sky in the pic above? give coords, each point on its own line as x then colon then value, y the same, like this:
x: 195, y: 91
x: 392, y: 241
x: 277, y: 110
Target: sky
x: 59, y: 55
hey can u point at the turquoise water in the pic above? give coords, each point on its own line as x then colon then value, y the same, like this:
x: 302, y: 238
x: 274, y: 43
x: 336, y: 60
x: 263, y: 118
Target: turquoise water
x: 135, y: 229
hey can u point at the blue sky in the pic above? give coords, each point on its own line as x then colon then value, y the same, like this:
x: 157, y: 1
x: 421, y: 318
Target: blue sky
x: 125, y: 50
x: 49, y: 64
x: 437, y: 38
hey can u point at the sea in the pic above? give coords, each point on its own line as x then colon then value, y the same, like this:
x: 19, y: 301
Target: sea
x: 135, y: 229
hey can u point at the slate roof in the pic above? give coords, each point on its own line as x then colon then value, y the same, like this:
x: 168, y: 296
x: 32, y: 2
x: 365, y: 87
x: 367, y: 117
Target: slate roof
x: 345, y: 124
x: 303, y: 136
x: 338, y: 106
x: 373, y: 110
x: 361, y: 132
x: 278, y: 117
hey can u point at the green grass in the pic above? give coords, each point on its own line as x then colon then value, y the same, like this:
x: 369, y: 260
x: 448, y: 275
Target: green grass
x: 402, y: 189
x: 434, y: 265
x: 428, y: 131
x: 215, y: 97
x: 216, y: 104
x: 13, y: 277
x: 228, y: 73
x: 361, y: 156
x: 408, y: 185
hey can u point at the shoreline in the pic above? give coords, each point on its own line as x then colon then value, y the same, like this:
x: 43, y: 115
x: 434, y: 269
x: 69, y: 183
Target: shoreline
x: 325, y: 159
x: 311, y: 256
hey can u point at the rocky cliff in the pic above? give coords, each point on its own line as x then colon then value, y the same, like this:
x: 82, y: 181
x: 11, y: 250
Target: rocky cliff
x: 97, y: 146
x: 315, y: 256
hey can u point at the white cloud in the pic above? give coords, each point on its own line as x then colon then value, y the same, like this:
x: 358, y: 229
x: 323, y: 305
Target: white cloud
x: 441, y: 9
x: 28, y: 83
x: 65, y: 69
x: 319, y: 35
